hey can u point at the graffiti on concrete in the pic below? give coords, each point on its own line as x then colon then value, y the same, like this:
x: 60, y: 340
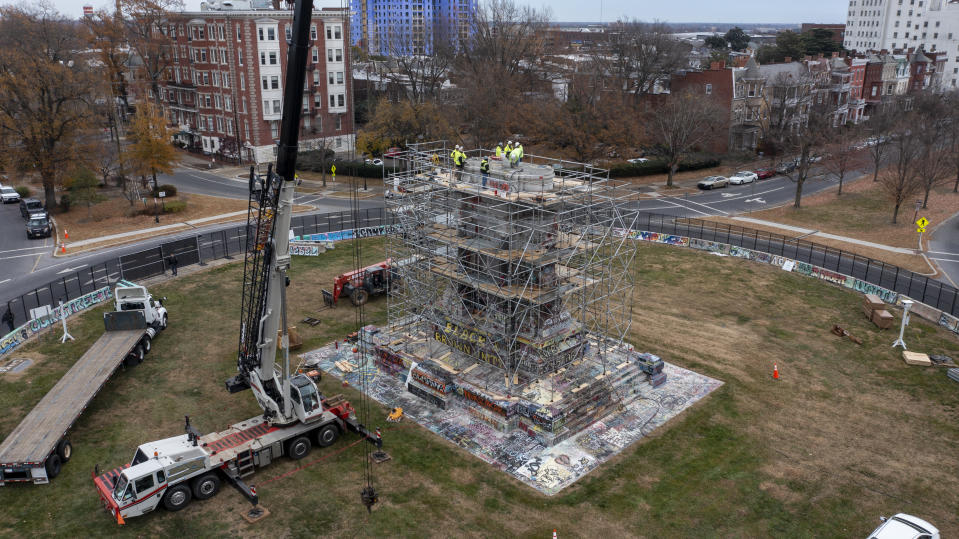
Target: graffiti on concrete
x: 656, y: 237
x: 19, y: 335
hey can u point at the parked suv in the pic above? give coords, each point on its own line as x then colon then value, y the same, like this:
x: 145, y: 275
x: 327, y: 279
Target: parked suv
x: 9, y: 194
x: 29, y: 206
x: 39, y: 226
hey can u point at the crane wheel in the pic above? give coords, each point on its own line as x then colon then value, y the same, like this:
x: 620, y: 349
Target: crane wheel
x: 177, y: 497
x: 299, y: 447
x: 206, y: 486
x: 65, y: 450
x: 359, y: 297
x: 327, y: 436
x: 53, y: 465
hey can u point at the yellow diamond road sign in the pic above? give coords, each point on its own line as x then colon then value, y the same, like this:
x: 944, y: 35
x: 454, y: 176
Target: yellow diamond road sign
x: 333, y: 170
x: 922, y: 222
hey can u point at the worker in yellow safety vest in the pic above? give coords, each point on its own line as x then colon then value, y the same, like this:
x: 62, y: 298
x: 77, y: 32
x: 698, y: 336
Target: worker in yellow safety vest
x: 519, y: 146
x: 484, y: 169
x: 508, y: 149
x: 514, y: 157
x: 499, y: 150
x: 459, y: 160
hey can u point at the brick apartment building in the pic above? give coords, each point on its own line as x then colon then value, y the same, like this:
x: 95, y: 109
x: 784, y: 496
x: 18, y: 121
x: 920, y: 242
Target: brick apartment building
x: 225, y: 86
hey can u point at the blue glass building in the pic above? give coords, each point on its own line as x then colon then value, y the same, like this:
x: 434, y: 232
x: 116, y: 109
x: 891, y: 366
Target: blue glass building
x: 409, y: 27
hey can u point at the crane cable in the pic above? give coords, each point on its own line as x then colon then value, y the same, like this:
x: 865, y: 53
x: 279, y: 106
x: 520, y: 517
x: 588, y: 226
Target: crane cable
x: 368, y: 495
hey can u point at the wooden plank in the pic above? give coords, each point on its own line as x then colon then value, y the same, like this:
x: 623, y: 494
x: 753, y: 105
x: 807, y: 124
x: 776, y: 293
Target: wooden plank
x: 35, y: 436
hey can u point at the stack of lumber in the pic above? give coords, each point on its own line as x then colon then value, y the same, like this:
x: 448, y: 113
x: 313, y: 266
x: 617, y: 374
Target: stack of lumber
x: 953, y: 374
x: 875, y: 310
x: 916, y: 358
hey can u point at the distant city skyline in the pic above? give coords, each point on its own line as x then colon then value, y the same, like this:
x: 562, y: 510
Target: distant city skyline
x: 703, y: 11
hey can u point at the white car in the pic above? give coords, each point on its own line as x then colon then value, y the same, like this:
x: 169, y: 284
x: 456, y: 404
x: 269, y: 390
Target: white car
x: 375, y: 162
x: 903, y: 526
x: 9, y: 194
x: 743, y: 176
x: 638, y: 160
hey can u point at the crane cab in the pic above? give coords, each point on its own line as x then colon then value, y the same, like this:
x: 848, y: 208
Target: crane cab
x: 307, y: 400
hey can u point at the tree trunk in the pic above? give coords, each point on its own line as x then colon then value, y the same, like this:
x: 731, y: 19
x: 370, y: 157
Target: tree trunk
x: 798, y: 202
x: 955, y: 188
x: 925, y: 199
x: 875, y: 171
x: 89, y: 211
x: 895, y: 212
x: 49, y: 194
x: 155, y: 187
x: 671, y: 172
x: 840, y: 184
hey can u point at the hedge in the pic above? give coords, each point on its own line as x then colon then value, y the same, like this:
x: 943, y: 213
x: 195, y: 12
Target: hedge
x: 23, y: 191
x: 658, y: 166
x: 170, y: 190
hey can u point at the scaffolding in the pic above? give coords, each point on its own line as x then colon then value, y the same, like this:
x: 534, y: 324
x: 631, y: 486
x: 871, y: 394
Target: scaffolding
x: 526, y: 268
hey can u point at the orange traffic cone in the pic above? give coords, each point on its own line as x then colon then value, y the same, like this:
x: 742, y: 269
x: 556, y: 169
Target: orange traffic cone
x: 775, y: 372
x: 63, y: 248
x: 66, y: 235
x: 554, y: 533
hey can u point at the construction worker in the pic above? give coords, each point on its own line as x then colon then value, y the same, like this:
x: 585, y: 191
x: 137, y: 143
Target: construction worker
x: 499, y: 150
x: 484, y: 168
x: 459, y: 160
x: 508, y: 149
x: 514, y: 157
x: 519, y: 146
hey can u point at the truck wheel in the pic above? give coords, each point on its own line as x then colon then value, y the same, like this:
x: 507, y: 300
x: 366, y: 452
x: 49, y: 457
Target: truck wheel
x: 163, y: 322
x: 177, y: 497
x: 65, y: 450
x: 53, y: 465
x: 299, y: 447
x: 206, y: 486
x: 146, y: 343
x: 359, y: 296
x: 327, y: 436
x: 135, y: 357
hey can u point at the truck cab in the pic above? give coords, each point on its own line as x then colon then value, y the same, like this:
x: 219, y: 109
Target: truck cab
x: 137, y: 298
x: 155, y: 475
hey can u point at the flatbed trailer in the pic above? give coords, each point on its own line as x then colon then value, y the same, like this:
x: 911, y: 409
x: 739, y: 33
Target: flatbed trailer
x: 35, y: 451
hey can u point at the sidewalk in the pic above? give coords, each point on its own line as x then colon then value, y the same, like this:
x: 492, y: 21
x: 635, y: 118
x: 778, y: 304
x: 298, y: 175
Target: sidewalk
x: 805, y: 232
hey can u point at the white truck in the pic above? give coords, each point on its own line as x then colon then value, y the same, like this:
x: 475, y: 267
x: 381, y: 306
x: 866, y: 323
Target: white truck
x: 176, y: 470
x: 35, y: 451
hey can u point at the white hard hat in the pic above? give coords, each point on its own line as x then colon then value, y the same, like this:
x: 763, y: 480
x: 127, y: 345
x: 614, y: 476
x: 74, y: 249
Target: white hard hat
x: 509, y: 142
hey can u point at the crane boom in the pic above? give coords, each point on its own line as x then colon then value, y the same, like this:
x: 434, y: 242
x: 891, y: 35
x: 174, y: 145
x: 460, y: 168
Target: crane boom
x: 267, y: 260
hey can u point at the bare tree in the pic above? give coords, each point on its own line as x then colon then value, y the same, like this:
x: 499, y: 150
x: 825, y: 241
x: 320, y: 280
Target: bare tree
x: 903, y: 179
x: 681, y: 124
x: 423, y: 71
x: 801, y: 121
x: 146, y: 22
x: 880, y: 125
x: 498, y: 67
x: 930, y: 129
x: 951, y: 104
x: 46, y: 90
x: 638, y: 55
x: 841, y: 157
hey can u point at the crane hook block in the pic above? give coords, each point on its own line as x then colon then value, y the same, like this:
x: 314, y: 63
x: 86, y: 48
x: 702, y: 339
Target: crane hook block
x: 369, y: 498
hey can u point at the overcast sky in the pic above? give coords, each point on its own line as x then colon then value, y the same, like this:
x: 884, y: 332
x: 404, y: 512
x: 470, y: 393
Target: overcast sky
x: 748, y: 11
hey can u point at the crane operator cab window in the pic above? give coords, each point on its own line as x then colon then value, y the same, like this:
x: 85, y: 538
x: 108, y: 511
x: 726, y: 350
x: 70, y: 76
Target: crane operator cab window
x: 305, y: 396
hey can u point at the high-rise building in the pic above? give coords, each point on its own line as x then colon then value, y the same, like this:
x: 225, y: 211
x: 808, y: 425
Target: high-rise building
x: 224, y: 88
x: 410, y: 27
x: 930, y: 25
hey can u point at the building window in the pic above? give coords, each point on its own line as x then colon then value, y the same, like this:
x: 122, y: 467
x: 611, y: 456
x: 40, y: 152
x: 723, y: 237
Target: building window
x: 317, y: 99
x: 275, y: 82
x: 330, y: 77
x: 227, y: 103
x: 259, y: 32
x: 239, y: 56
x: 217, y: 102
x: 306, y: 103
x: 340, y: 100
x: 242, y: 84
x: 339, y: 77
x: 273, y: 58
x: 266, y: 106
x: 316, y: 78
x: 339, y: 122
x: 332, y: 100
x: 266, y: 82
x: 313, y: 32
x: 277, y: 106
x: 316, y: 57
x: 271, y: 34
x: 709, y: 89
x: 206, y: 78
x: 239, y: 32
x: 274, y: 129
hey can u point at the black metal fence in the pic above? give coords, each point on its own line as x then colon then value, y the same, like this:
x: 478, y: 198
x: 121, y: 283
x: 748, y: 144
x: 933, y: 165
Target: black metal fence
x: 919, y: 287
x: 230, y: 242
x: 199, y: 249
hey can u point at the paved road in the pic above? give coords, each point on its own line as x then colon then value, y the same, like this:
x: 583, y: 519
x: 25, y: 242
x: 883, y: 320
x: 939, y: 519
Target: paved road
x: 18, y: 254
x: 944, y: 248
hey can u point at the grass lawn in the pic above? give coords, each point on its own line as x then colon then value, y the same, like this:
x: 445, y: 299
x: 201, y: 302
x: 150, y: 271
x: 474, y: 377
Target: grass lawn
x: 847, y: 434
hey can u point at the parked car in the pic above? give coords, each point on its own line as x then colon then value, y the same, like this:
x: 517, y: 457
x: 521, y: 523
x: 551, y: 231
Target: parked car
x: 638, y: 160
x: 392, y: 152
x: 815, y: 158
x: 743, y: 176
x: 38, y: 226
x: 903, y: 526
x: 764, y: 173
x: 374, y: 162
x: 713, y: 182
x: 786, y: 167
x: 30, y: 206
x: 9, y: 194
